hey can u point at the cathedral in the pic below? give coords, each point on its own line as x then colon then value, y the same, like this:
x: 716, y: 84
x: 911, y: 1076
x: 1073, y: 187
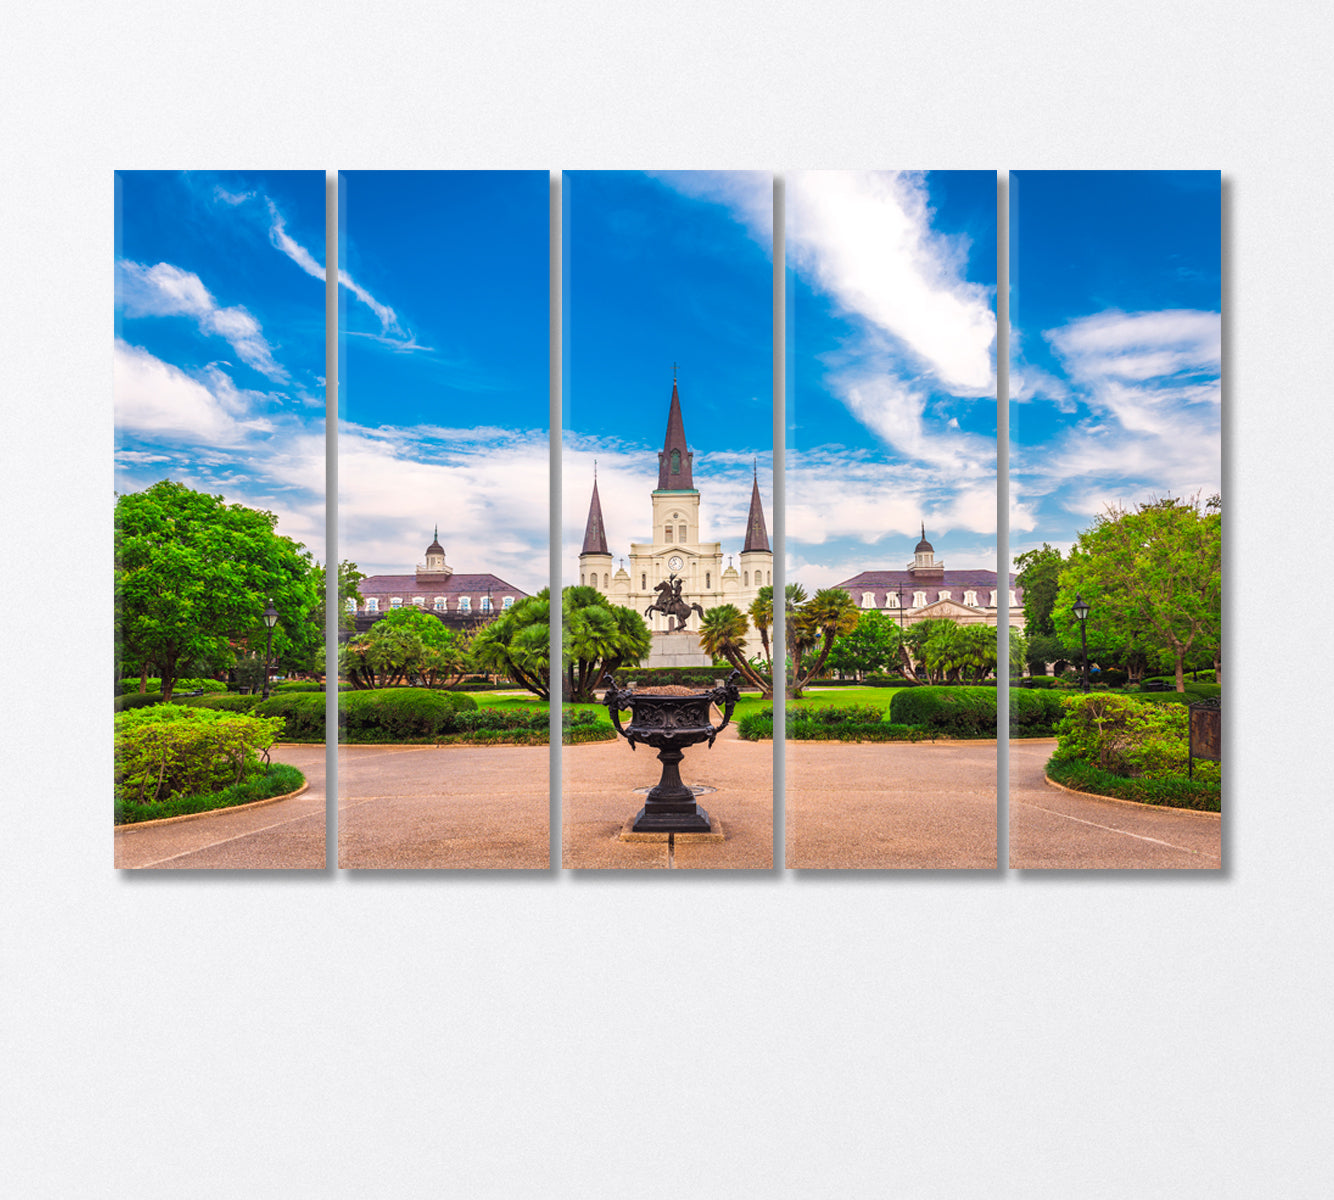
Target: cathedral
x: 677, y: 563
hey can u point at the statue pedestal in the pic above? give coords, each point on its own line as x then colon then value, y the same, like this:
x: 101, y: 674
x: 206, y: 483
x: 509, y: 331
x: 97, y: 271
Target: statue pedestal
x: 677, y: 650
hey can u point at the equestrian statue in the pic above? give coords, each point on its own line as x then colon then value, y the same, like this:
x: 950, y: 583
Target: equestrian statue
x: 671, y: 605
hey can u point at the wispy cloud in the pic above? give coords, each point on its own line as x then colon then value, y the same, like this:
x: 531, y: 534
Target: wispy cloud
x: 391, y: 333
x: 164, y: 290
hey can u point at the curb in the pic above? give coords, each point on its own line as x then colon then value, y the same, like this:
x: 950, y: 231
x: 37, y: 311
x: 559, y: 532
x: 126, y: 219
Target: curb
x: 212, y: 812
x: 1060, y: 787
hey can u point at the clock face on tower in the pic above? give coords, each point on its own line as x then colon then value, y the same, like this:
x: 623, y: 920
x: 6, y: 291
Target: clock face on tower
x: 674, y: 563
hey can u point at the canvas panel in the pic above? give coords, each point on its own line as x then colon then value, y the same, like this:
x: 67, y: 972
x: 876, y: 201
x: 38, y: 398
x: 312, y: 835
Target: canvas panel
x: 892, y: 600
x: 443, y: 516
x: 1116, y: 514
x: 220, y: 517
x: 667, y: 510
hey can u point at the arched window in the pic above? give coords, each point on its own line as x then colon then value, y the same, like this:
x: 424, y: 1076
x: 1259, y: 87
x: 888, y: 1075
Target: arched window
x: 666, y: 533
x: 891, y: 599
x: 919, y: 599
x: 708, y: 580
x: 681, y: 533
x: 643, y: 582
x: 509, y: 602
x: 970, y: 598
x: 606, y: 581
x: 868, y: 599
x: 583, y: 579
x: 486, y: 603
x: 676, y: 462
x: 440, y: 604
x: 769, y: 578
x: 745, y: 579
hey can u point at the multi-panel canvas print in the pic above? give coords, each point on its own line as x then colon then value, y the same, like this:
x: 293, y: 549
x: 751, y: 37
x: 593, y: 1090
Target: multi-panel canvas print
x: 892, y: 601
x: 1116, y: 519
x: 666, y: 560
x: 219, y: 518
x: 443, y: 519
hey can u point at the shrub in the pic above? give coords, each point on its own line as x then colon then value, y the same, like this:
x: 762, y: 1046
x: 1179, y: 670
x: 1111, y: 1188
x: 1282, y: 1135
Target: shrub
x: 296, y: 685
x: 700, y: 677
x: 757, y: 726
x: 133, y: 700
x: 1034, y: 713
x: 302, y: 711
x: 226, y: 702
x: 127, y: 686
x: 947, y: 711
x: 394, y: 714
x: 880, y: 679
x: 1037, y: 683
x: 1124, y: 736
x: 169, y: 751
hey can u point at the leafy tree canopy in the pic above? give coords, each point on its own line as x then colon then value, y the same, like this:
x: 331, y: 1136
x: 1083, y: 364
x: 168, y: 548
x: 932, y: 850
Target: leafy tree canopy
x: 1039, y: 574
x: 1152, y: 576
x: 193, y: 577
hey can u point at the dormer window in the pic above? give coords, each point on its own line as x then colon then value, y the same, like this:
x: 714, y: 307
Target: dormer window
x: 396, y: 602
x: 994, y: 594
x: 419, y: 601
x: 373, y: 604
x: 919, y: 599
x: 440, y: 604
x: 944, y: 595
x: 891, y: 599
x: 351, y: 604
x: 1012, y: 597
x: 465, y: 604
x: 486, y: 603
x: 868, y: 599
x: 509, y: 602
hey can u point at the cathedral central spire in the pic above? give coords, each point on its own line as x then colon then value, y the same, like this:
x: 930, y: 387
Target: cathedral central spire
x: 674, y: 458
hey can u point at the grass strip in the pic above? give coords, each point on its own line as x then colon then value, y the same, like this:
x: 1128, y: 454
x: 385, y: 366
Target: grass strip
x: 1173, y: 791
x: 276, y: 779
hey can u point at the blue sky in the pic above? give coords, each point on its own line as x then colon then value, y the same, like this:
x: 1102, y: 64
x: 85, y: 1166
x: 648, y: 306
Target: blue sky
x: 662, y: 268
x: 443, y: 376
x: 1116, y: 346
x: 891, y: 405
x: 219, y: 347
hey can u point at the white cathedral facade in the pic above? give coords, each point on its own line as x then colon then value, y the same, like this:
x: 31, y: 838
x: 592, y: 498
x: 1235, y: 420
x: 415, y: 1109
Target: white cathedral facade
x: 677, y: 553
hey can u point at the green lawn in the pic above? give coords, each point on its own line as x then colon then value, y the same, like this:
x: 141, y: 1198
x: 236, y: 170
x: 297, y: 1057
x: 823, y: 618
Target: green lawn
x: 750, y: 701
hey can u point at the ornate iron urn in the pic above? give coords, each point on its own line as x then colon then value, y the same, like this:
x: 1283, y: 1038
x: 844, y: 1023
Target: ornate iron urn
x: 670, y: 724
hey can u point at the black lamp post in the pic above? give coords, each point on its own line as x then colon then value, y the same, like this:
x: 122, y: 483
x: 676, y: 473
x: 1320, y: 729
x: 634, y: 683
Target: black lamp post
x: 270, y: 620
x: 1081, y: 611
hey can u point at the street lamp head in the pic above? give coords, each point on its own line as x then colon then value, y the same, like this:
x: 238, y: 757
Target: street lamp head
x: 1080, y: 608
x: 270, y: 615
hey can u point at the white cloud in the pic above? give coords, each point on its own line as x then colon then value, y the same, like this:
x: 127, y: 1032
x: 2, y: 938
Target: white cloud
x: 159, y: 401
x: 1138, y: 346
x: 164, y: 290
x: 865, y: 238
x: 489, y: 495
x: 222, y: 195
x: 391, y: 331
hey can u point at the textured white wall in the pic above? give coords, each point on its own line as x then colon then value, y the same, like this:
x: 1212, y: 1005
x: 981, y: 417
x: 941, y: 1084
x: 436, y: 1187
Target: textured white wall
x: 750, y: 1035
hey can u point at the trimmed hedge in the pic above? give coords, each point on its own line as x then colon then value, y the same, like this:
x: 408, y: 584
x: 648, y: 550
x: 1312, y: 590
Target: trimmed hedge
x: 1035, y: 713
x: 700, y: 677
x: 302, y: 711
x: 227, y: 702
x: 296, y: 685
x: 1176, y: 791
x: 846, y: 723
x: 127, y: 686
x: 277, y: 779
x: 132, y: 700
x: 947, y: 711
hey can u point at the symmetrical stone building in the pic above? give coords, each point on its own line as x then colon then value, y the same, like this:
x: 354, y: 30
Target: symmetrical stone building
x: 460, y: 601
x: 925, y: 591
x: 677, y: 551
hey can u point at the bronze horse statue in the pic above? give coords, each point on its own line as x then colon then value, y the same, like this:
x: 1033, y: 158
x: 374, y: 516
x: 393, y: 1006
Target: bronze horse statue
x: 671, y: 605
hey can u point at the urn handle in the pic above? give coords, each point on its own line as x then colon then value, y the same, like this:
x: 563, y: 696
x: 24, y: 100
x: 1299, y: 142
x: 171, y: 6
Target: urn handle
x: 727, y: 695
x: 614, y: 698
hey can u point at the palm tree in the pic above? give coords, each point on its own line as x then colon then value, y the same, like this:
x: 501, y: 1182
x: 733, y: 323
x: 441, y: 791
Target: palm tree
x: 723, y: 635
x: 812, y: 627
x: 761, y: 614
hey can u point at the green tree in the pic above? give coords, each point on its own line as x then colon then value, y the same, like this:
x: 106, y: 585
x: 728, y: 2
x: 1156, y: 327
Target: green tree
x: 722, y: 634
x: 407, y: 645
x: 193, y: 576
x: 812, y: 627
x: 761, y: 613
x: 1152, y: 576
x: 599, y: 638
x: 348, y: 577
x: 1039, y: 577
x: 871, y: 645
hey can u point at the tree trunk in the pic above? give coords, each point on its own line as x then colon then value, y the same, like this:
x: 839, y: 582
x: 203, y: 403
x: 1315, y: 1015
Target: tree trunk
x: 143, y: 678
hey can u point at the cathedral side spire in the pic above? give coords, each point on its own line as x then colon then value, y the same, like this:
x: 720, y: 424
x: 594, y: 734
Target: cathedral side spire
x: 595, y: 532
x: 757, y: 535
x: 674, y: 460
